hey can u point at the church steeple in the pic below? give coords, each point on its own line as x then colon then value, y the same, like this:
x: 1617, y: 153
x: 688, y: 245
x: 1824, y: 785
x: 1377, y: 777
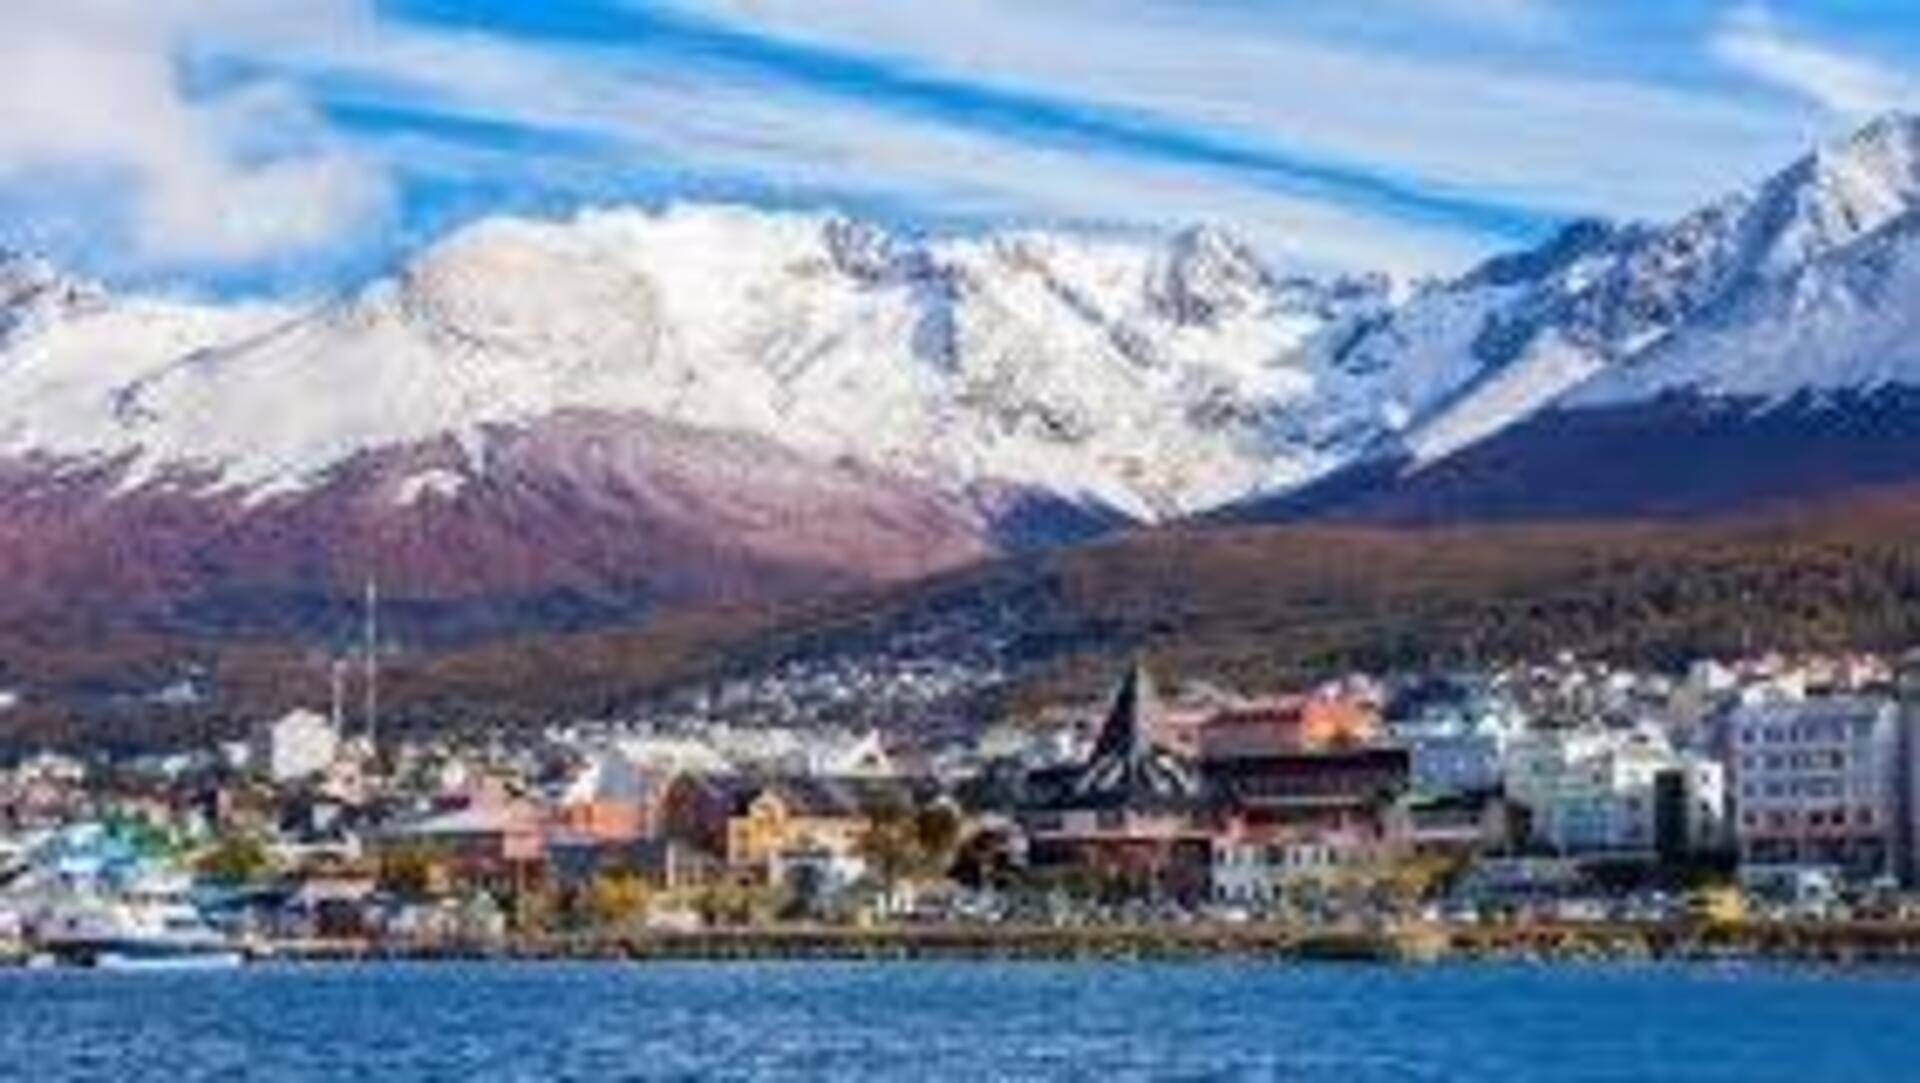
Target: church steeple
x: 1127, y: 769
x: 1128, y: 730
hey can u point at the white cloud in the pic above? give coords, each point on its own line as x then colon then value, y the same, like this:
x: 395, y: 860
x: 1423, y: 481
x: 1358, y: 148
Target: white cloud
x: 1522, y: 15
x: 1555, y: 142
x: 1513, y: 126
x: 257, y: 174
x: 92, y: 88
x: 723, y: 121
x: 1753, y: 41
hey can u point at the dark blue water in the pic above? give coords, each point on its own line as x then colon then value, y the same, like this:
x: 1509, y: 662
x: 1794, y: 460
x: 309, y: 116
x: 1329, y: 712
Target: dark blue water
x: 961, y: 1021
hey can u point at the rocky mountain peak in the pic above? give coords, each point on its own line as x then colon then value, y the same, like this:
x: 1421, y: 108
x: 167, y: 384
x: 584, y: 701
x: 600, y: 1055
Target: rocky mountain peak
x: 33, y: 292
x: 1210, y: 275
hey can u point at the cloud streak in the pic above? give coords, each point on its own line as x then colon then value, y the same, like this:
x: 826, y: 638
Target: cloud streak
x: 1410, y: 135
x: 1754, y: 41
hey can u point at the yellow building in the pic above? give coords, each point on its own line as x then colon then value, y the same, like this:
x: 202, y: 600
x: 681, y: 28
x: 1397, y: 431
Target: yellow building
x: 814, y: 814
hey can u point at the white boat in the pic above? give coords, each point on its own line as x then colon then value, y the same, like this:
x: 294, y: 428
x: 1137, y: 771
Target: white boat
x: 151, y: 925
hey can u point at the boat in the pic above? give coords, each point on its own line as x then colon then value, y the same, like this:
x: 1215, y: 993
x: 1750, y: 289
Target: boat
x: 150, y: 925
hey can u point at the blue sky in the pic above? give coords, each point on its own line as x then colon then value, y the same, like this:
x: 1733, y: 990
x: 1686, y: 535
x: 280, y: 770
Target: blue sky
x: 301, y: 145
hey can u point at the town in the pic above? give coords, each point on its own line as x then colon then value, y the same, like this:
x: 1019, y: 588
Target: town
x: 1769, y: 791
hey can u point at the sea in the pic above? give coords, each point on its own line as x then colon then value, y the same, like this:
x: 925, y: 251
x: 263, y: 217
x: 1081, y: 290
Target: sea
x: 963, y: 1021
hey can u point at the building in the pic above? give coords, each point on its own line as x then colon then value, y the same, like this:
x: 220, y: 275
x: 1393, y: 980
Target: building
x: 1259, y: 870
x: 296, y: 746
x: 696, y: 809
x: 1132, y: 814
x: 794, y: 814
x: 1596, y: 791
x: 1456, y: 732
x: 609, y: 800
x: 1307, y: 769
x: 481, y: 843
x: 811, y: 835
x: 1821, y: 783
x: 1301, y: 791
x: 1456, y: 825
x: 1289, y: 725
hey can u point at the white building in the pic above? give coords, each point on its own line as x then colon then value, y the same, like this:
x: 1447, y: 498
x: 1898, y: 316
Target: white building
x: 1820, y: 784
x: 1602, y: 791
x: 664, y: 755
x: 298, y: 745
x: 1457, y: 742
x: 1259, y: 872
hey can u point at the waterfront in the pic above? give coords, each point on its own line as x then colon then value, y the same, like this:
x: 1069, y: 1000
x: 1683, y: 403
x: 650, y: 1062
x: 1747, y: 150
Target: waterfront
x: 961, y: 1021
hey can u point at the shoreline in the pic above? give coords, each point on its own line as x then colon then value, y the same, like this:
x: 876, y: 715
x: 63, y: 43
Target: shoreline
x: 1876, y: 944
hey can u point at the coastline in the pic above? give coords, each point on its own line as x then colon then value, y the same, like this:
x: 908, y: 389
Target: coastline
x: 1864, y: 943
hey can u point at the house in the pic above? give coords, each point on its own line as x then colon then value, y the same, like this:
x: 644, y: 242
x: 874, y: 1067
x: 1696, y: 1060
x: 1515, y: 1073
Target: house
x: 1459, y: 824
x: 1259, y: 869
x: 482, y: 842
x: 608, y: 799
x: 1133, y: 811
x: 1300, y: 791
x: 814, y: 814
x: 796, y: 813
x: 696, y: 808
x: 299, y: 745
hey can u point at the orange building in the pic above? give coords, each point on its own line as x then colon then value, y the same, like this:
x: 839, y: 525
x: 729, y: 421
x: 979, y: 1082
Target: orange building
x: 1292, y: 725
x: 610, y: 800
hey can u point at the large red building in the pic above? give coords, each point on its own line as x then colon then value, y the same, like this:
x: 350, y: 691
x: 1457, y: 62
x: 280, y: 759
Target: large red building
x: 1133, y: 815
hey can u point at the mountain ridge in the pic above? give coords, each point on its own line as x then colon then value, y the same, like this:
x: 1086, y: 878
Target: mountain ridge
x: 555, y: 426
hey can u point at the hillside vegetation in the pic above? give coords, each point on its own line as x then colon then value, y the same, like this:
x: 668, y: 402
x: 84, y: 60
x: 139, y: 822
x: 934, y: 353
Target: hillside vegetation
x: 1254, y: 606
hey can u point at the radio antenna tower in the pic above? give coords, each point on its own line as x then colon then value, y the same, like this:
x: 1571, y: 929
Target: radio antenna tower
x: 371, y: 659
x: 338, y: 715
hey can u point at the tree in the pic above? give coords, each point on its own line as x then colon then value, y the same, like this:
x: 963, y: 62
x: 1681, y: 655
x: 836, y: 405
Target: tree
x: 410, y: 873
x: 1416, y: 879
x: 937, y: 830
x: 236, y: 860
x: 983, y: 861
x: 617, y: 898
x: 533, y: 907
x: 890, y: 844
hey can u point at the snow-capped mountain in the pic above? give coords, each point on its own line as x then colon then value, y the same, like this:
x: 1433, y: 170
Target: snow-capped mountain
x: 1727, y: 340
x: 703, y: 402
x: 599, y: 416
x: 1133, y: 378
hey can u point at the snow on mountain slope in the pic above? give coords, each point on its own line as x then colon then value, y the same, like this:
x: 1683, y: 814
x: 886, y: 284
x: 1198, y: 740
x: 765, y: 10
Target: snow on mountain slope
x: 1801, y: 284
x: 1816, y: 292
x: 1762, y: 349
x: 1149, y: 380
x: 1153, y: 381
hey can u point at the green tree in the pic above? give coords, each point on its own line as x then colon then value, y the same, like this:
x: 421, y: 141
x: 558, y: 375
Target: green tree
x: 411, y: 874
x: 236, y: 860
x: 616, y: 899
x: 937, y: 829
x: 891, y: 844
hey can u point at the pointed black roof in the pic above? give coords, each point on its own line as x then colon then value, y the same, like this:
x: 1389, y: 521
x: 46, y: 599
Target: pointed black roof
x: 1128, y: 730
x: 1127, y: 769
